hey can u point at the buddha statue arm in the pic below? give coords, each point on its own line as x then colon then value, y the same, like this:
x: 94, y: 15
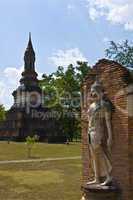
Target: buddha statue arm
x: 109, y: 129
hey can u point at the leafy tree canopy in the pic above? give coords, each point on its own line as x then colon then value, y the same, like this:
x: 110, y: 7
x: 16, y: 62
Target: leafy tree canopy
x: 2, y: 113
x: 121, y: 52
x: 62, y: 93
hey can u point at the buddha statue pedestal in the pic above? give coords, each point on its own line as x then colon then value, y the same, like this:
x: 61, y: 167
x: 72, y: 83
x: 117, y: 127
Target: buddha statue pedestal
x: 97, y: 192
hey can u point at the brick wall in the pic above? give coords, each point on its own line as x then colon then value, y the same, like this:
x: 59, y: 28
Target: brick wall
x: 114, y: 78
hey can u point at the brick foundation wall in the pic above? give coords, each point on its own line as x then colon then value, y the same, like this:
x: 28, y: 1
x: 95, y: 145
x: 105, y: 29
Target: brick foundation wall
x: 114, y: 78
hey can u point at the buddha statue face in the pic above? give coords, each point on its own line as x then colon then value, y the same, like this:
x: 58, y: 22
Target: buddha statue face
x: 96, y: 91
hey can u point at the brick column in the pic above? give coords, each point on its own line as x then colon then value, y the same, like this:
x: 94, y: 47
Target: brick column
x: 114, y: 78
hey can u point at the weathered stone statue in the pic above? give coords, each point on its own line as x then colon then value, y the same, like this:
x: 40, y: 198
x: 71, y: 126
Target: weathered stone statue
x: 100, y: 135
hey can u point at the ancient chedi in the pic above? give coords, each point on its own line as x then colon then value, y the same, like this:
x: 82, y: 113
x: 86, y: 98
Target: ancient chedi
x: 25, y: 116
x: 107, y: 132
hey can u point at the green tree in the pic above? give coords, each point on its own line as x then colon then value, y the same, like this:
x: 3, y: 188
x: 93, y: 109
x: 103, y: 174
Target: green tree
x: 2, y: 113
x: 82, y: 70
x: 121, y: 52
x: 62, y: 89
x: 30, y: 141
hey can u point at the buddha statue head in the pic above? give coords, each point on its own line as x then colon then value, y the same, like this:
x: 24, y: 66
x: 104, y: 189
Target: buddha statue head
x: 97, y: 90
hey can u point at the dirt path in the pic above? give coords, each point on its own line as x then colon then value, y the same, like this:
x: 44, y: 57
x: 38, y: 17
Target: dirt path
x: 39, y: 160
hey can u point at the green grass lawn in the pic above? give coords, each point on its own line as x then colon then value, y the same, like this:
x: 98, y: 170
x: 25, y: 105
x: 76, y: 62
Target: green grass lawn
x: 18, y: 151
x: 47, y: 180
x: 58, y: 180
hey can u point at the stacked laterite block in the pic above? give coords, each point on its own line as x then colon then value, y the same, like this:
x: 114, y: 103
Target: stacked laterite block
x: 115, y: 79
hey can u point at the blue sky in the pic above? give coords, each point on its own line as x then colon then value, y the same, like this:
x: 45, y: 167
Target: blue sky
x: 63, y: 31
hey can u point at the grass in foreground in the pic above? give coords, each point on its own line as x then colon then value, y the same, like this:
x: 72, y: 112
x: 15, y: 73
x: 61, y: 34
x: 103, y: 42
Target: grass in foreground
x: 58, y: 180
x: 18, y: 151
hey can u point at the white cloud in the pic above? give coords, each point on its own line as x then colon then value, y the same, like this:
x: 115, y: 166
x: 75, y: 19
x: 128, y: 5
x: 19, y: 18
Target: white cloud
x: 13, y: 74
x: 67, y: 57
x: 40, y: 75
x: 9, y: 81
x: 94, y: 14
x: 115, y: 11
x: 2, y: 91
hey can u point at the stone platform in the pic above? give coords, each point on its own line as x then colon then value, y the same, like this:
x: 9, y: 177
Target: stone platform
x: 97, y: 192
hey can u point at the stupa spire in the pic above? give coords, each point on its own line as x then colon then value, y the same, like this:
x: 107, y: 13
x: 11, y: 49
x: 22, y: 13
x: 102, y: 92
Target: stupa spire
x: 29, y: 56
x: 29, y: 75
